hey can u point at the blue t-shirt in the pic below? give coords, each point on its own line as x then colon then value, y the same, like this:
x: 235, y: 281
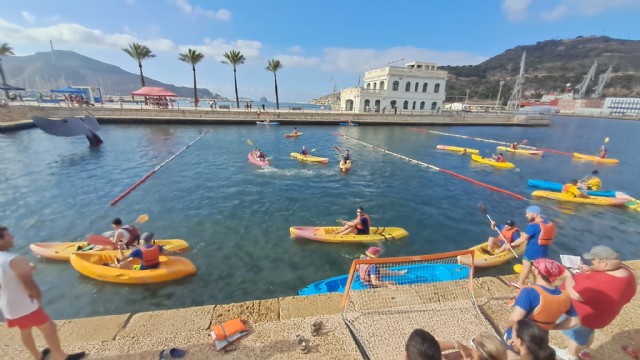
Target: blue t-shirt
x: 528, y: 300
x: 137, y: 253
x: 534, y: 250
x: 516, y: 234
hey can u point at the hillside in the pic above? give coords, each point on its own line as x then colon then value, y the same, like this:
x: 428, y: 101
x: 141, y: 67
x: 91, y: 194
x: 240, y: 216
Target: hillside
x: 550, y: 65
x: 48, y: 70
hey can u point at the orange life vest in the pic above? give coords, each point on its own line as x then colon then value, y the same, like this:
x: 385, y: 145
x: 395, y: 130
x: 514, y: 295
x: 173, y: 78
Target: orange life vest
x: 547, y: 233
x: 508, y: 234
x: 150, y: 256
x: 550, y: 309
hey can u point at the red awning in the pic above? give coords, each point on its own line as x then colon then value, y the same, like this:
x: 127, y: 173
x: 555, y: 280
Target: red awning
x: 152, y: 91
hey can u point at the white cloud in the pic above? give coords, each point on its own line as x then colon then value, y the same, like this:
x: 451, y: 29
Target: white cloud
x: 217, y: 47
x: 295, y: 61
x: 187, y: 8
x: 516, y: 9
x: 295, y: 49
x: 555, y: 13
x: 29, y: 17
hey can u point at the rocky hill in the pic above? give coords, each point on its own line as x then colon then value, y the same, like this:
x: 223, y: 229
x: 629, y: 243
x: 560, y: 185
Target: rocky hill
x: 48, y: 70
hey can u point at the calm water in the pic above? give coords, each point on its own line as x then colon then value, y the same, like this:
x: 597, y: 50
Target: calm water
x: 236, y: 217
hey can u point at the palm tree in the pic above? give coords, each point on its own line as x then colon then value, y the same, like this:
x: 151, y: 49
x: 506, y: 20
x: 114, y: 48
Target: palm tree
x: 5, y: 50
x: 273, y: 66
x: 139, y: 52
x: 234, y: 58
x: 192, y: 57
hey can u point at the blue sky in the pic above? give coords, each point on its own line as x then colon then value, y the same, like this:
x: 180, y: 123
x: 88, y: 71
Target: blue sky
x: 319, y: 43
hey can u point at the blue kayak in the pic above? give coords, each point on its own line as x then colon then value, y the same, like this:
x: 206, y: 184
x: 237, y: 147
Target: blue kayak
x: 347, y: 124
x: 554, y: 186
x: 269, y: 123
x: 416, y: 274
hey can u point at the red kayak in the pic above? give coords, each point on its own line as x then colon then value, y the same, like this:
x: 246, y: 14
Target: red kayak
x: 257, y: 161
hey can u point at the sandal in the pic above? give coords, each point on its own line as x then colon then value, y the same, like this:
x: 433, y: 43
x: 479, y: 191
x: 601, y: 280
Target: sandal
x: 515, y: 285
x: 44, y: 353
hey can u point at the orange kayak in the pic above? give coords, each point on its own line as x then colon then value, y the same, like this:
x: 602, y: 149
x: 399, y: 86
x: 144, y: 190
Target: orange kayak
x: 292, y: 135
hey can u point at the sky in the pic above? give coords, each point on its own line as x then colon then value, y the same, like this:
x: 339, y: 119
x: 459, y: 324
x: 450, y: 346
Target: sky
x: 321, y: 44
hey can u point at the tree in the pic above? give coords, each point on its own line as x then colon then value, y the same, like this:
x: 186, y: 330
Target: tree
x: 273, y: 66
x: 5, y: 50
x: 234, y: 58
x: 139, y: 52
x: 192, y: 57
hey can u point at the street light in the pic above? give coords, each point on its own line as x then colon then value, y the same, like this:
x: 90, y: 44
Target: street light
x: 395, y: 61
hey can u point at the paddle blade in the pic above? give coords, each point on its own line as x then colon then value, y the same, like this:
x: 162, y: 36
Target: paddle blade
x: 337, y: 149
x: 142, y: 219
x: 100, y: 240
x: 606, y: 140
x: 313, y: 150
x: 249, y: 142
x: 483, y: 208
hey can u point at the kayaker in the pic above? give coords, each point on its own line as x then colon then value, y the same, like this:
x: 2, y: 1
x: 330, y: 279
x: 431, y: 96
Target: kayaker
x: 515, y: 145
x: 126, y: 234
x: 571, y: 189
x: 509, y: 231
x: 591, y: 182
x: 346, y: 157
x: 538, y: 236
x: 295, y: 130
x: 304, y: 151
x: 542, y: 303
x: 359, y: 226
x: 148, y: 253
x: 21, y: 303
x: 371, y: 274
x: 598, y: 292
x: 603, y: 152
x: 261, y: 156
x: 498, y: 158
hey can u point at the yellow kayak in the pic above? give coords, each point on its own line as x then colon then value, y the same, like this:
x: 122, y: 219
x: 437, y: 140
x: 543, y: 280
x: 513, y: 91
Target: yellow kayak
x: 91, y: 265
x: 594, y: 200
x: 326, y: 234
x: 502, y: 165
x: 309, y: 158
x: 458, y: 149
x: 345, y: 166
x: 595, y: 158
x: 482, y: 259
x: 520, y: 151
x: 63, y: 250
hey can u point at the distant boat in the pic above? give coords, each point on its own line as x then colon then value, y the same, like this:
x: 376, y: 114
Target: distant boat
x: 263, y: 99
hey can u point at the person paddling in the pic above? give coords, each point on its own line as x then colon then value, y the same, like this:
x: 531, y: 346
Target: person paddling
x: 508, y: 231
x: 359, y: 226
x: 345, y: 157
x: 126, y: 234
x: 148, y: 254
x: 591, y: 182
x: 498, y: 158
x: 295, y: 130
x: 571, y: 189
x: 603, y: 152
x: 304, y: 151
x: 515, y: 145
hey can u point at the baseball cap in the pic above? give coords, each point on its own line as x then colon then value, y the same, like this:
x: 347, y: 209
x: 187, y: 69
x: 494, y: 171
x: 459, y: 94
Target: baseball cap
x: 510, y: 223
x: 549, y: 268
x: 595, y: 172
x: 534, y: 209
x: 601, y: 252
x: 373, y: 251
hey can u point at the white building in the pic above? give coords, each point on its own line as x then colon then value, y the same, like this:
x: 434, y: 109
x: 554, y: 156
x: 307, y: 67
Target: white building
x: 417, y: 88
x: 622, y: 106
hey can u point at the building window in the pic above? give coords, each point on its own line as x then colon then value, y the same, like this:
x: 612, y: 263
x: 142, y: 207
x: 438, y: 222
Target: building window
x: 407, y: 86
x: 405, y: 105
x: 375, y: 86
x: 381, y: 85
x: 416, y: 87
x: 422, y: 105
x: 376, y: 107
x: 367, y: 105
x: 396, y: 84
x: 424, y: 87
x: 413, y: 107
x: 348, y: 106
x: 434, y: 105
x: 393, y: 104
x: 368, y: 86
x: 436, y: 88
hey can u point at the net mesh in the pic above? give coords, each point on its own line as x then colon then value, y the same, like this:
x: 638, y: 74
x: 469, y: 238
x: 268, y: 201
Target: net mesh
x: 432, y: 292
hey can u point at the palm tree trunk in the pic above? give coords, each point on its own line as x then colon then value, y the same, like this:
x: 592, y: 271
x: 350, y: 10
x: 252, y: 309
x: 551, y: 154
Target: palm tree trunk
x: 275, y: 78
x: 195, y: 91
x: 235, y: 81
x: 141, y: 75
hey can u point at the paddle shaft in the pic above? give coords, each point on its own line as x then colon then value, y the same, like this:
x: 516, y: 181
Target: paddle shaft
x: 503, y: 238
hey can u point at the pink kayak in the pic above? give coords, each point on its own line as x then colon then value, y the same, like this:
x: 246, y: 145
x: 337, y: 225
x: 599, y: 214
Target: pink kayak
x: 256, y: 161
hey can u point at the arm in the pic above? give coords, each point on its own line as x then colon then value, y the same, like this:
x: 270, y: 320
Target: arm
x: 567, y: 323
x: 517, y: 314
x: 524, y: 237
x: 569, y: 284
x: 493, y: 225
x: 24, y: 271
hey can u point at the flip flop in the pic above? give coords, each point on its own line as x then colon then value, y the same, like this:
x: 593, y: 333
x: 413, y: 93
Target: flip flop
x: 515, y: 285
x: 631, y: 351
x: 44, y: 353
x: 173, y: 353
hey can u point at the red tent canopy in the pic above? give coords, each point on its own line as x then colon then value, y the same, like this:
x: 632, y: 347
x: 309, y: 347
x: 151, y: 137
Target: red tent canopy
x: 152, y: 91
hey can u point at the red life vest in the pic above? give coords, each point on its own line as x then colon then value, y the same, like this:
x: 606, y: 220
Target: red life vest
x: 508, y: 234
x: 134, y: 235
x: 547, y: 233
x: 150, y: 256
x: 550, y: 309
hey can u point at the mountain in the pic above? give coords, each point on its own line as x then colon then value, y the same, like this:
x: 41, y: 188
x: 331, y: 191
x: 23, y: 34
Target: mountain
x: 550, y: 65
x: 50, y: 70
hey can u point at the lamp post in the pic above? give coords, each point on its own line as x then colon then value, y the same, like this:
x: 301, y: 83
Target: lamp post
x: 499, y: 92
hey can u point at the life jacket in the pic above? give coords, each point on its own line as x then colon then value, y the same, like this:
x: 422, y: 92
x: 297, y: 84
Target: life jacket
x: 547, y: 233
x: 508, y: 234
x: 228, y: 332
x: 134, y: 235
x: 500, y: 158
x: 594, y: 183
x: 150, y: 256
x: 304, y: 152
x: 570, y: 189
x: 550, y: 309
x: 603, y: 154
x: 363, y: 272
x: 364, y: 229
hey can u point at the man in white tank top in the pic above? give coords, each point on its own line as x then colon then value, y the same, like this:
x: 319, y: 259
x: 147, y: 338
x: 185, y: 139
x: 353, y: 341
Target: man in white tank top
x: 20, y: 300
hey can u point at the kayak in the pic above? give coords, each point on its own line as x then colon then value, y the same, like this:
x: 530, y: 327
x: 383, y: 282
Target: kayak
x: 502, y: 165
x: 325, y: 234
x: 345, y: 166
x: 416, y: 274
x: 91, y: 265
x: 267, y: 123
x: 481, y: 258
x: 292, y: 135
x: 457, y: 149
x: 349, y: 124
x: 63, y: 250
x: 520, y: 151
x: 256, y: 161
x: 309, y: 158
x: 595, y: 158
x: 555, y: 186
x: 594, y: 200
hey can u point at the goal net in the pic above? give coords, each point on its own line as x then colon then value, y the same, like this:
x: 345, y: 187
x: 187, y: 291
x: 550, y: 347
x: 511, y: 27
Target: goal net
x: 432, y: 292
